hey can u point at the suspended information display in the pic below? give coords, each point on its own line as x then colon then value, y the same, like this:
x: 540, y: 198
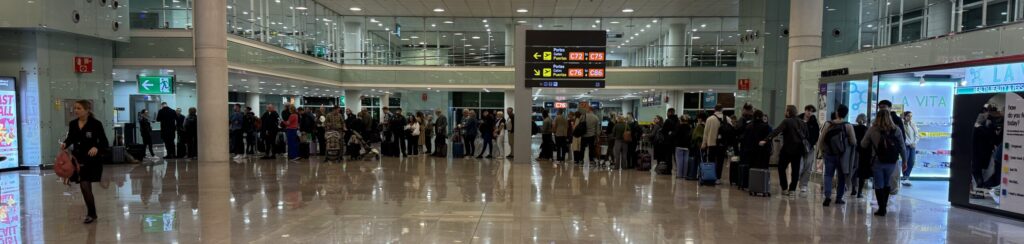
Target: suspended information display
x: 567, y: 59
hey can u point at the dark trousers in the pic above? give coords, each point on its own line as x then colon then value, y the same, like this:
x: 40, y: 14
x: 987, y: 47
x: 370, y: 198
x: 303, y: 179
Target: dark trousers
x: 546, y: 146
x: 587, y: 143
x: 168, y: 138
x: 269, y: 142
x: 413, y: 147
x: 182, y: 145
x: 561, y: 147
x: 440, y: 146
x: 488, y: 143
x: 785, y: 160
x: 718, y: 155
x: 469, y: 143
x: 250, y: 142
x: 192, y: 143
x: 321, y: 139
x: 402, y: 146
x: 237, y: 145
x: 430, y: 145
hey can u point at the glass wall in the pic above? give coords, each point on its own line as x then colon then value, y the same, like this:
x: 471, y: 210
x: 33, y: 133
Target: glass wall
x: 305, y: 26
x: 888, y: 22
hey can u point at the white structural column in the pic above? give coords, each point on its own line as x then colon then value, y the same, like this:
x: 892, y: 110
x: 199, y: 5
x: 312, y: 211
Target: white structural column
x: 510, y: 30
x: 353, y: 43
x: 675, y: 51
x: 524, y: 104
x: 353, y: 101
x: 804, y: 41
x: 252, y: 100
x: 211, y: 59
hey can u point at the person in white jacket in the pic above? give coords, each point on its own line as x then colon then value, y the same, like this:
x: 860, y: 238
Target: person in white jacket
x: 912, y: 136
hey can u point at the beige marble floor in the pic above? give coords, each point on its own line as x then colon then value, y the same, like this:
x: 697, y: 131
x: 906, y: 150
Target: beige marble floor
x: 435, y: 200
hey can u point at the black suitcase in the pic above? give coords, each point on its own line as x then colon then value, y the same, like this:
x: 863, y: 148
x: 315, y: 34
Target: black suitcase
x: 117, y: 154
x: 303, y: 149
x: 663, y: 168
x: 138, y: 151
x: 760, y: 182
x: 280, y: 144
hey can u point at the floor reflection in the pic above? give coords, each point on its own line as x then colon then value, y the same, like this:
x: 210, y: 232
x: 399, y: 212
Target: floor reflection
x: 434, y: 200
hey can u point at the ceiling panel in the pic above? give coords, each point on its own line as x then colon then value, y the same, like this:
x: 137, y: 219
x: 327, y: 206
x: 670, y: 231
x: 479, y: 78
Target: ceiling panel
x: 537, y: 8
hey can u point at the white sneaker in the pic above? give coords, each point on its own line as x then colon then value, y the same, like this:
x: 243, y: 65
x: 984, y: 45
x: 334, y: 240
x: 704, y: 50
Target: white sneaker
x: 907, y: 183
x: 803, y: 189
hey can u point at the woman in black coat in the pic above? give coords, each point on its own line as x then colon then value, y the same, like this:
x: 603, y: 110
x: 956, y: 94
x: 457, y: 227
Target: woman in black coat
x: 756, y: 130
x: 88, y: 143
x: 146, y: 130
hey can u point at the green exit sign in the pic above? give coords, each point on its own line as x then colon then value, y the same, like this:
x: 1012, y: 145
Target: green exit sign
x: 156, y: 85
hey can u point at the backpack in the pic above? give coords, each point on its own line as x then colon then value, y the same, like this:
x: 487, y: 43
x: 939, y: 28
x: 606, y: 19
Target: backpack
x: 581, y: 128
x: 65, y: 166
x: 726, y: 132
x: 888, y: 148
x: 836, y: 139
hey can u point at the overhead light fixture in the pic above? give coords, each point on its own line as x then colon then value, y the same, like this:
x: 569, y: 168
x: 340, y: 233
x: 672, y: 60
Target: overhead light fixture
x: 458, y: 34
x: 593, y: 26
x: 301, y: 8
x: 522, y: 10
x: 433, y: 25
x: 485, y: 20
x: 597, y: 21
x: 372, y: 20
x: 628, y: 10
x: 614, y: 22
x: 703, y: 25
x: 540, y: 26
x: 356, y: 9
x: 414, y: 37
x: 648, y: 26
x: 654, y: 21
x: 521, y: 21
x: 438, y: 10
x: 449, y: 22
x: 696, y: 38
x: 476, y: 37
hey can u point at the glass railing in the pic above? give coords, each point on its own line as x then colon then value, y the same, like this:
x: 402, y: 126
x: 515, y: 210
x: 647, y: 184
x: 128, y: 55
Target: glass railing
x: 306, y: 27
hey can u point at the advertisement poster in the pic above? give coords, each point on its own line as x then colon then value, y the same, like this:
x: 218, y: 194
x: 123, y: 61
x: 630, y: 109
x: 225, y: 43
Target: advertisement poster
x: 932, y: 106
x: 1012, y: 194
x: 10, y: 209
x: 8, y: 123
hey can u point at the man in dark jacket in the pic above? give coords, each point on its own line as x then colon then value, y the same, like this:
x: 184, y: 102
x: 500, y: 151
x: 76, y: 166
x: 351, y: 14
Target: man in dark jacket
x: 487, y: 133
x: 440, y: 134
x: 182, y: 146
x: 270, y: 121
x: 398, y: 132
x: 168, y: 126
x: 470, y: 126
x: 192, y: 133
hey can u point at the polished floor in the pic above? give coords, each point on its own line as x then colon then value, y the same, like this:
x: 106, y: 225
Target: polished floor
x: 436, y: 200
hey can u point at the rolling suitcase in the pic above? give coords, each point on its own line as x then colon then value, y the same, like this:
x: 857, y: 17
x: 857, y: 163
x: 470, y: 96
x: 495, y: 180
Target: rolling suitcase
x: 708, y: 176
x: 643, y: 160
x: 682, y: 161
x: 138, y: 151
x: 759, y: 183
x: 117, y: 154
x: 458, y: 150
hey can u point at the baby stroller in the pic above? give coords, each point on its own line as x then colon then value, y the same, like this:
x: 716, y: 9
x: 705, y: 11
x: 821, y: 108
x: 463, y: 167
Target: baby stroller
x: 334, y: 146
x: 368, y: 151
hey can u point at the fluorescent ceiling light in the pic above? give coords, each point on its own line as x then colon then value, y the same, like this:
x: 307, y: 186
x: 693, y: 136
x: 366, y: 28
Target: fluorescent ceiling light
x: 614, y: 22
x: 449, y: 22
x: 476, y: 37
x: 522, y: 10
x: 521, y: 21
x: 628, y: 10
x: 438, y: 10
x: 357, y: 9
x: 301, y: 8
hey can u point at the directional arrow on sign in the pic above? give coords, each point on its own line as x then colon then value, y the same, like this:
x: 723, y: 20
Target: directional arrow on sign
x: 536, y: 72
x: 146, y: 85
x: 536, y: 55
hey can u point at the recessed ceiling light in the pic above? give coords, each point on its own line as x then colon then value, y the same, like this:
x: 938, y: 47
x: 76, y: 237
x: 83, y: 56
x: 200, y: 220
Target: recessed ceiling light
x: 357, y: 9
x: 458, y: 34
x: 522, y: 10
x: 414, y: 37
x: 614, y: 22
x: 540, y: 26
x: 372, y: 20
x: 438, y: 10
x: 301, y: 8
x: 476, y: 37
x: 521, y: 21
x: 654, y: 21
x: 449, y: 22
x: 597, y: 21
x: 628, y: 10
x: 703, y: 25
x: 593, y: 26
x: 696, y: 37
x: 485, y: 20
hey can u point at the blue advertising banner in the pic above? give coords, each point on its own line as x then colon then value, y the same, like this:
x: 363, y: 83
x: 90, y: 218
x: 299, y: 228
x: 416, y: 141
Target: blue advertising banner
x: 710, y: 100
